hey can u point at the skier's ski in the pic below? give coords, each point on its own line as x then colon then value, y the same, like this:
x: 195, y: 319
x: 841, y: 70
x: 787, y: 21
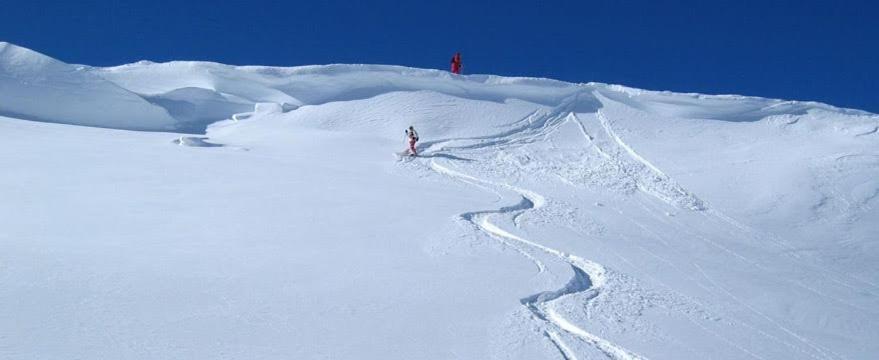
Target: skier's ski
x: 404, y: 155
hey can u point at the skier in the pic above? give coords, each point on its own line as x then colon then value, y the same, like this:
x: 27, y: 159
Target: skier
x: 412, y: 136
x: 456, y: 63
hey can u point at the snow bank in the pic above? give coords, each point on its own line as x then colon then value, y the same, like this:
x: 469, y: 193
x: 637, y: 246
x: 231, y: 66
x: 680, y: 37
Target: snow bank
x: 187, y: 96
x: 36, y: 87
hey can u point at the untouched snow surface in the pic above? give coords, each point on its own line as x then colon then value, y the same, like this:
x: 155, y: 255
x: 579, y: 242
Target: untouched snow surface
x: 264, y: 216
x: 36, y: 87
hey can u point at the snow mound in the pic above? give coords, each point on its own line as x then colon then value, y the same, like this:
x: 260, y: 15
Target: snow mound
x: 187, y: 96
x: 198, y: 93
x: 34, y: 86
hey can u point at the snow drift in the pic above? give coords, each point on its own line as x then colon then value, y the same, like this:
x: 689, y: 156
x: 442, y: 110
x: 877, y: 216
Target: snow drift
x: 34, y: 86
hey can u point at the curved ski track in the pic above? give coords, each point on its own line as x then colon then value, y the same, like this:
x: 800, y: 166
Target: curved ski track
x: 589, y: 277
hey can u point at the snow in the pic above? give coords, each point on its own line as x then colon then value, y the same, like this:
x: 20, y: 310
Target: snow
x: 36, y: 87
x: 262, y: 215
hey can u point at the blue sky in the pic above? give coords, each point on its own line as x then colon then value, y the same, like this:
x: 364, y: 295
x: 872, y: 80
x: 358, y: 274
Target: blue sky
x: 805, y: 50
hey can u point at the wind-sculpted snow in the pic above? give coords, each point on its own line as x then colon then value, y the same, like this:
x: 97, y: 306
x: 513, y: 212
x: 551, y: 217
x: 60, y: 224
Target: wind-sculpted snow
x: 189, y: 95
x: 315, y: 85
x: 36, y: 87
x: 194, y: 141
x: 540, y: 220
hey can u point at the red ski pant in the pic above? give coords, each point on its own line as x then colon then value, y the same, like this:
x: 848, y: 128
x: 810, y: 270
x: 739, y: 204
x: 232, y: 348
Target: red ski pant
x: 412, y: 146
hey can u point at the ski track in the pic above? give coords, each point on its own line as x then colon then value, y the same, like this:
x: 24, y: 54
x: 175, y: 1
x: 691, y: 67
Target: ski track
x: 870, y: 132
x: 685, y: 230
x: 537, y: 126
x: 567, y: 353
x: 647, y: 177
x: 697, y: 204
x: 820, y: 350
x: 589, y: 277
x: 679, y: 197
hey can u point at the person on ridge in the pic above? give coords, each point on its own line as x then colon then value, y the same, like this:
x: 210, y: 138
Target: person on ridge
x: 456, y: 63
x: 412, y: 136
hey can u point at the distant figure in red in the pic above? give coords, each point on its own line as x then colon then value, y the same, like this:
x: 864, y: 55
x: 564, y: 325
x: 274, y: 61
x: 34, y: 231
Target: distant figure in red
x: 456, y: 63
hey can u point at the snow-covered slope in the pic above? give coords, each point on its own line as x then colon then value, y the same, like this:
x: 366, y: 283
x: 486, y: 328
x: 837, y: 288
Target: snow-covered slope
x: 36, y: 87
x: 542, y: 219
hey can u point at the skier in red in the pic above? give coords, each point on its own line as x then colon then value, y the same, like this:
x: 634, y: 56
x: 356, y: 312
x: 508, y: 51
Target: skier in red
x: 413, y: 138
x: 456, y: 63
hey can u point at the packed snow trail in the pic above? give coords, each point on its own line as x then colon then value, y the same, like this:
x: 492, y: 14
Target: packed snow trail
x: 589, y: 277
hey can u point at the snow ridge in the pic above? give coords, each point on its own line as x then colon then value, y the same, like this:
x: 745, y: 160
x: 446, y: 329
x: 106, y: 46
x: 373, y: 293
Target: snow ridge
x: 36, y: 87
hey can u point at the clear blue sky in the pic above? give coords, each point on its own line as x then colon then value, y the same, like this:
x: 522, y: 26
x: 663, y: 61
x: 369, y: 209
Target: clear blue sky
x: 805, y: 50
